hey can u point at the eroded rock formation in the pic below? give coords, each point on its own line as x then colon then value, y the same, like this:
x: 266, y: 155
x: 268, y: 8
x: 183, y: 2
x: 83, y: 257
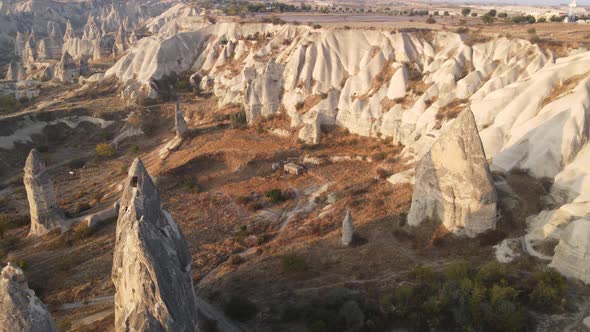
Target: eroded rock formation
x: 15, y: 72
x: 152, y: 265
x: 179, y: 122
x: 572, y: 254
x: 347, y: 229
x: 20, y: 308
x: 45, y: 213
x: 453, y: 183
x: 67, y: 70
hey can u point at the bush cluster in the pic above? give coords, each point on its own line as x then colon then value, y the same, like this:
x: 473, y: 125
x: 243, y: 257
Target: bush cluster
x: 274, y: 195
x: 105, y: 150
x: 339, y: 310
x: 491, y: 297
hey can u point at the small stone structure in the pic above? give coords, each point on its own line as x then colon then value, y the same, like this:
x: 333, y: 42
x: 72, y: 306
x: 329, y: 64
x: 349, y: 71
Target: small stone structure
x: 294, y: 169
x: 20, y: 308
x: 45, y: 213
x: 348, y: 231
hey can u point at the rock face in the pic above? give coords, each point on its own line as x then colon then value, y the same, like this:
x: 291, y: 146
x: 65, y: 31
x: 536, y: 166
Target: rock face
x: 152, y: 265
x: 453, y: 182
x: 179, y: 123
x: 45, y: 213
x: 572, y: 254
x: 347, y: 229
x: 20, y: 309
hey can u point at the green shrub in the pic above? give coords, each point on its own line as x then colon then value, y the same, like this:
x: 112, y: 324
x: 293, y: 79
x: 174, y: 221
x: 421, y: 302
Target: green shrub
x: 134, y: 149
x: 182, y: 86
x: 293, y: 263
x: 274, y: 195
x: 8, y: 103
x: 430, y: 20
x: 462, y: 30
x: 240, y: 308
x: 22, y: 264
x: 105, y: 150
x: 550, y: 288
x: 81, y: 231
x: 64, y: 325
x: 235, y: 259
x: 238, y: 120
x: 487, y: 19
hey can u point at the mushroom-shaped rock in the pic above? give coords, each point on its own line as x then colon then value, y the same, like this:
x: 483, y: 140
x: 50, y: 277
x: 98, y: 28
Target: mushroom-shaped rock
x: 179, y: 123
x: 45, y: 213
x: 572, y: 254
x: 20, y: 309
x: 453, y: 184
x: 347, y: 229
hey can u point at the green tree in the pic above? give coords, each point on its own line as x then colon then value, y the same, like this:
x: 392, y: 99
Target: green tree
x: 487, y: 19
x: 465, y: 11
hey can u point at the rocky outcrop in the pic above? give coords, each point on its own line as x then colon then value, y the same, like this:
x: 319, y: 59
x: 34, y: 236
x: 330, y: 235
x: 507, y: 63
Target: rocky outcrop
x: 348, y: 231
x: 152, y: 265
x: 179, y: 122
x: 453, y: 184
x: 20, y: 309
x: 262, y: 94
x: 310, y: 133
x: 67, y: 70
x: 45, y: 213
x: 572, y: 254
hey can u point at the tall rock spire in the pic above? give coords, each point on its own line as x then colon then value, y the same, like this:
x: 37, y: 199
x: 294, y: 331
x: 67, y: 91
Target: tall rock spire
x: 20, y: 309
x: 152, y: 265
x: 453, y: 182
x: 45, y: 213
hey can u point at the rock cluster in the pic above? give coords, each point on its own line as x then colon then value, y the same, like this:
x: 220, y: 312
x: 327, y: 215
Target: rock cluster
x: 45, y: 213
x: 152, y: 265
x: 453, y: 184
x: 20, y: 309
x: 572, y: 254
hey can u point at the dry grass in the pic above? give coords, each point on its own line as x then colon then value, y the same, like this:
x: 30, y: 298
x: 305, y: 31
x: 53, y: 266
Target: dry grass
x: 564, y: 88
x: 383, y: 77
x: 450, y: 111
x: 308, y: 103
